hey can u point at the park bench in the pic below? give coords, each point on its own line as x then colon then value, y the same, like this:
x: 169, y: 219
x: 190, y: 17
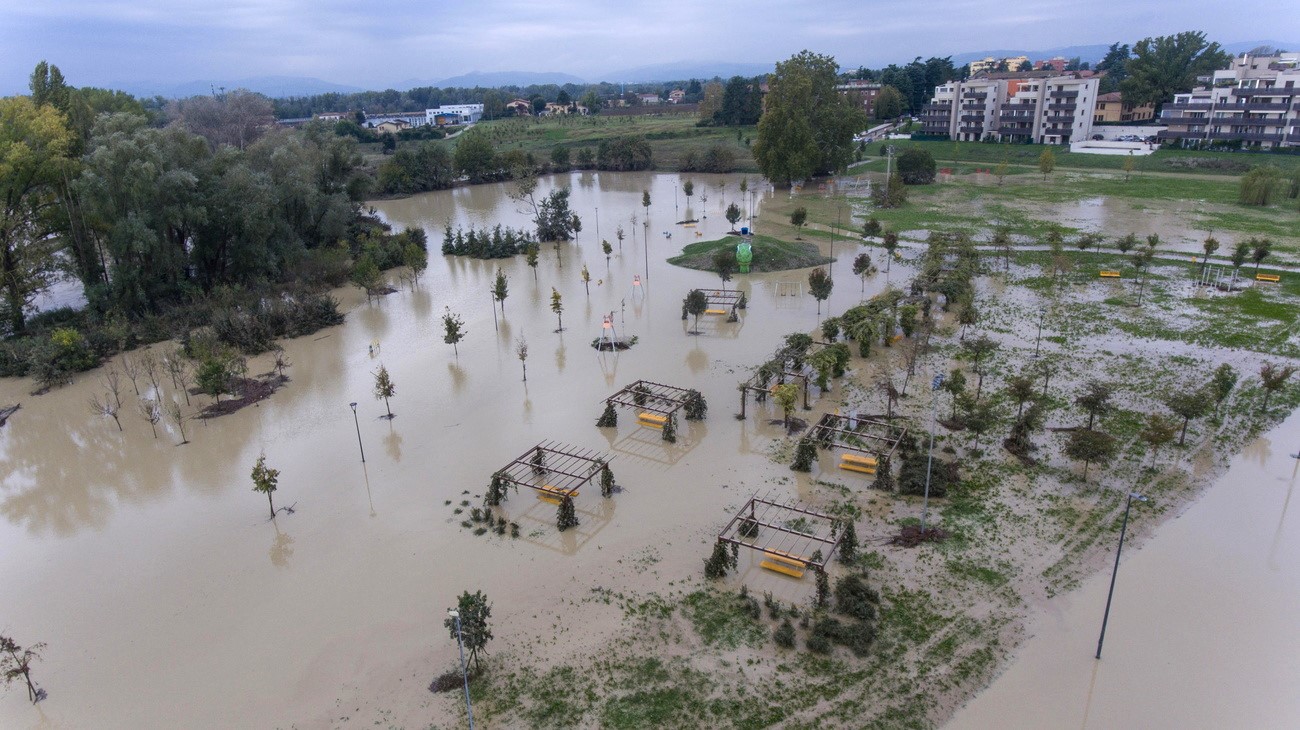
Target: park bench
x: 783, y: 562
x: 554, y: 495
x: 715, y: 311
x: 1268, y: 277
x: 1110, y: 275
x: 653, y: 420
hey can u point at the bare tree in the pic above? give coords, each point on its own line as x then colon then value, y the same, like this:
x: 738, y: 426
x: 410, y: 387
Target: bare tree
x: 132, y: 369
x: 521, y: 352
x: 105, y: 407
x: 177, y: 417
x: 113, y: 382
x: 281, y: 361
x: 15, y: 662
x: 149, y: 411
x: 149, y: 363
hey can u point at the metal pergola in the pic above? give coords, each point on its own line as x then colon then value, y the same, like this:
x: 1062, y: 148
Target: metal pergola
x: 646, y: 395
x: 787, y: 534
x: 553, y: 470
x: 855, y: 433
x: 722, y: 301
x: 760, y: 391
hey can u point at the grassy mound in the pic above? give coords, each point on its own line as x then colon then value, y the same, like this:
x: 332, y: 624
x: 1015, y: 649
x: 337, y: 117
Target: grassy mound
x: 770, y: 254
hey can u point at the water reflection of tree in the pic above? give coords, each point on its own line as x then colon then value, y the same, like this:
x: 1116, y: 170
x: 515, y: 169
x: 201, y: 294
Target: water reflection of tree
x: 66, y: 472
x: 560, y: 357
x: 458, y: 376
x: 393, y: 443
x: 281, y: 548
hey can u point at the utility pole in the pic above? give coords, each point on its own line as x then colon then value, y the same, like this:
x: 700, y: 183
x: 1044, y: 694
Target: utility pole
x: 358, y: 425
x: 1115, y: 571
x: 460, y: 642
x: 929, y: 462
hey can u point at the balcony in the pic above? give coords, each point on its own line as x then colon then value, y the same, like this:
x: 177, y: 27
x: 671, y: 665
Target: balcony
x: 1180, y: 134
x: 972, y: 117
x: 1266, y: 92
x: 1246, y: 136
x: 972, y: 107
x: 1061, y: 94
x: 981, y: 95
x: 1068, y: 119
x: 1259, y: 107
x: 1194, y: 106
x: 1183, y: 120
x: 1062, y: 107
x: 936, y: 128
x: 1016, y: 131
x: 1015, y: 107
x: 971, y: 129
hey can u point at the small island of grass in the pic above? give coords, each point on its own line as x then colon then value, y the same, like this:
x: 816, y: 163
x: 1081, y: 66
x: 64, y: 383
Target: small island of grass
x: 770, y: 254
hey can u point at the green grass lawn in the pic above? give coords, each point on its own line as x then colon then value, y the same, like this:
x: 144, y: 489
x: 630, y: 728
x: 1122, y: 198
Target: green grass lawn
x: 1187, y: 161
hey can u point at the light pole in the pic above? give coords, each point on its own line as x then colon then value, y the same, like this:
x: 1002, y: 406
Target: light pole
x: 1039, y: 338
x: 358, y: 425
x: 460, y: 643
x: 1128, y: 504
x: 929, y: 461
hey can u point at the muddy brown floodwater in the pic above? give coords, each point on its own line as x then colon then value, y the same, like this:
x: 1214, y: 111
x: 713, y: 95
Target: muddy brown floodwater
x: 1202, y: 631
x: 167, y: 598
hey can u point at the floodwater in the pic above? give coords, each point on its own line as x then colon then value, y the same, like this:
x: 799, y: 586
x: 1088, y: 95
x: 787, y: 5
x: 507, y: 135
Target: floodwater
x: 168, y: 599
x: 1202, y: 630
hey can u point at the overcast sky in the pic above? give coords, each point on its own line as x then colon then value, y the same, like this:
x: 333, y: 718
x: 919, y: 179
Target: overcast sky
x: 375, y: 44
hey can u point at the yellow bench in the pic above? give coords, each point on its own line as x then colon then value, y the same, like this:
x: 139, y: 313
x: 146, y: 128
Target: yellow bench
x: 1110, y: 275
x: 653, y: 420
x: 850, y: 466
x: 864, y: 460
x: 715, y: 311
x: 783, y: 562
x: 1268, y: 277
x: 554, y: 495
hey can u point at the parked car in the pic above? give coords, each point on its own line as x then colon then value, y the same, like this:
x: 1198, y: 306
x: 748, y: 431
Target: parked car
x: 1097, y: 137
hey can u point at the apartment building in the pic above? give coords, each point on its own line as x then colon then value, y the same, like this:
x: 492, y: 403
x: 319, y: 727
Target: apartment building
x: 865, y: 92
x: 1111, y: 108
x: 1040, y: 107
x: 1253, y: 102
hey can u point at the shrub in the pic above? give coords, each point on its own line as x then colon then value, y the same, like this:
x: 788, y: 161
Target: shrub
x: 784, y: 635
x: 853, y: 597
x: 623, y: 154
x: 916, y: 166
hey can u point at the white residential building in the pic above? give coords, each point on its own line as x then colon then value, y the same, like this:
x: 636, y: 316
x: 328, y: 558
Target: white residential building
x: 1253, y: 102
x: 463, y: 113
x: 1040, y: 107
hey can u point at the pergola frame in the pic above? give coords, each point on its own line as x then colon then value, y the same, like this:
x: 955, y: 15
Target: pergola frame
x: 761, y: 392
x: 664, y: 400
x: 565, y: 469
x: 726, y: 299
x: 837, y: 431
x: 775, y: 537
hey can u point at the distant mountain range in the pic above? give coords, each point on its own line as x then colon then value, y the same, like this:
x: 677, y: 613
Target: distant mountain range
x: 284, y: 86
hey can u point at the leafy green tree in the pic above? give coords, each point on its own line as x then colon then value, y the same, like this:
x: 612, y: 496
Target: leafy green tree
x: 688, y: 189
x: 724, y: 262
x: 560, y: 158
x: 979, y: 350
x: 453, y: 330
x: 888, y: 104
x: 1260, y: 248
x: 1258, y: 186
x: 742, y: 103
x: 16, y: 662
x: 34, y: 146
x: 1126, y: 243
x: 416, y: 259
x: 213, y: 376
x: 645, y: 203
x: 807, y: 126
x: 530, y: 256
x: 608, y: 250
x: 1021, y: 390
x: 820, y: 285
x: 521, y: 352
x: 695, y: 304
x: 890, y: 242
x: 1209, y: 246
x: 1166, y: 65
x: 501, y: 289
x: 591, y: 102
x: 1271, y: 379
x: 365, y: 274
x: 954, y: 385
x: 733, y: 214
x: 265, y: 480
x: 384, y: 388
x: 1095, y: 399
x: 786, y: 395
x: 566, y: 515
x: 849, y: 543
x: 1239, y: 255
x: 1188, y: 404
x: 1222, y: 383
x: 1091, y: 447
x: 916, y: 166
x: 798, y: 217
x: 475, y: 632
x: 871, y: 227
x: 1115, y: 64
x: 1046, y: 163
x: 557, y: 306
x: 475, y: 158
x: 862, y: 267
x: 1157, y: 433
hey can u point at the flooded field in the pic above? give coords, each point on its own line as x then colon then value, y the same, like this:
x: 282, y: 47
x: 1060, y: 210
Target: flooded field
x: 168, y: 599
x: 1201, y: 627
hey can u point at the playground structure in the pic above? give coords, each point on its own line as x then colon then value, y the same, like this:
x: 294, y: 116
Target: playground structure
x: 744, y: 256
x: 865, y: 441
x: 555, y: 471
x: 790, y: 537
x: 656, y: 406
x: 724, y: 302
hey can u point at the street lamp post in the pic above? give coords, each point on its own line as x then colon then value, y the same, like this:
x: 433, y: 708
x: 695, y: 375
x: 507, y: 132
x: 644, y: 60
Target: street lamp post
x: 358, y: 425
x: 934, y: 409
x: 1111, y: 594
x: 460, y: 643
x: 1039, y: 338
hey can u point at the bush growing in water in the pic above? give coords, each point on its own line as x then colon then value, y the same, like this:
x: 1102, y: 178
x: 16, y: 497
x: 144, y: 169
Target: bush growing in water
x: 499, y: 243
x: 255, y: 329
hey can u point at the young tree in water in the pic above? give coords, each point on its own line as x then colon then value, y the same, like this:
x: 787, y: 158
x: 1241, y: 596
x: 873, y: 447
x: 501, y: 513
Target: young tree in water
x: 786, y: 395
x: 871, y: 228
x: 955, y: 385
x: 978, y: 350
x: 1239, y: 255
x: 530, y: 255
x: 820, y: 285
x: 1188, y: 405
x: 177, y: 417
x: 1272, y: 378
x: 618, y: 233
x: 695, y: 304
x: 366, y: 275
x: 645, y: 203
x: 1158, y: 431
x: 585, y: 275
x: 1091, y: 447
x: 384, y: 388
x: 608, y: 250
x: 1020, y: 388
x: 416, y: 259
x: 890, y: 242
x: 861, y: 268
x: 16, y: 662
x: 1095, y: 400
x: 1129, y: 166
x: 798, y: 217
x: 453, y: 328
x: 557, y: 306
x: 688, y: 188
x: 150, y: 412
x: 724, y: 262
x: 500, y: 290
x: 1046, y: 163
x: 521, y: 352
x: 733, y: 215
x: 105, y: 407
x: 1222, y: 383
x: 474, y: 611
x: 265, y: 480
